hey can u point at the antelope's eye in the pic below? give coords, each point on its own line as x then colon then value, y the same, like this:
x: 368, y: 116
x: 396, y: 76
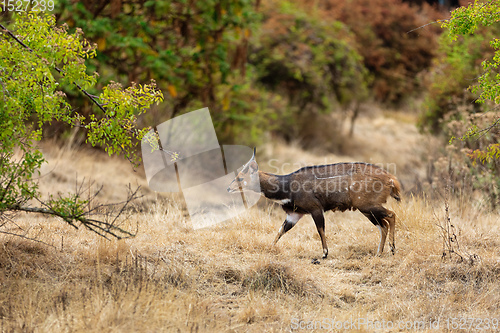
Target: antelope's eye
x: 239, y: 179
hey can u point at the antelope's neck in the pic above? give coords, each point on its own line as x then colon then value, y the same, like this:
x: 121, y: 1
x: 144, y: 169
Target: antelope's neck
x: 274, y: 186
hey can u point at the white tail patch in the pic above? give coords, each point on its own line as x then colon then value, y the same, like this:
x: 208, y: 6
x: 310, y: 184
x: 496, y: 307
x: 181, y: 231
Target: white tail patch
x: 293, y: 217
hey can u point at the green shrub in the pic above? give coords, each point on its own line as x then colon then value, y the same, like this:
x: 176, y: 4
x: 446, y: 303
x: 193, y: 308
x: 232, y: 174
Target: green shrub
x: 37, y: 59
x: 311, y: 63
x: 388, y: 38
x: 466, y: 71
x: 455, y: 69
x: 196, y: 52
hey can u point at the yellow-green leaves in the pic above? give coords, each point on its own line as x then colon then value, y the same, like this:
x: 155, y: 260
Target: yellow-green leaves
x: 37, y: 61
x: 116, y: 130
x: 466, y: 20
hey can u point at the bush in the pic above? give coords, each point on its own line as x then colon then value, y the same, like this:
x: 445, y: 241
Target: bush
x: 312, y: 64
x: 384, y: 34
x: 455, y: 69
x: 37, y: 58
x: 468, y: 60
x: 195, y: 50
x: 453, y: 167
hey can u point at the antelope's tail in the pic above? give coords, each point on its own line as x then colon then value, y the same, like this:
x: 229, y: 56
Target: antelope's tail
x: 395, y: 186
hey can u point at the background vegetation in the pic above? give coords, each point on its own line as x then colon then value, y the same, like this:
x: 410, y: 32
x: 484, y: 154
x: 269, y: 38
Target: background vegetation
x: 301, y: 71
x: 309, y: 82
x: 269, y: 65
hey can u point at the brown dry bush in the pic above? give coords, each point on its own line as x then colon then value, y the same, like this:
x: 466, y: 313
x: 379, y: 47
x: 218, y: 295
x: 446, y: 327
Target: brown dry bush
x: 389, y: 38
x: 452, y: 165
x: 277, y: 277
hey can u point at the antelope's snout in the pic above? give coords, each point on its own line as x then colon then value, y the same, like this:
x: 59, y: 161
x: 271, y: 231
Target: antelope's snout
x: 233, y: 187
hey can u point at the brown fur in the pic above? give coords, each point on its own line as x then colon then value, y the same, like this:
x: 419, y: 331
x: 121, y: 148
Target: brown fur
x: 317, y: 189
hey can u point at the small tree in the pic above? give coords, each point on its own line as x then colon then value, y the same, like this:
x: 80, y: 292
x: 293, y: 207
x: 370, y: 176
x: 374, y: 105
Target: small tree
x: 37, y: 60
x: 465, y: 21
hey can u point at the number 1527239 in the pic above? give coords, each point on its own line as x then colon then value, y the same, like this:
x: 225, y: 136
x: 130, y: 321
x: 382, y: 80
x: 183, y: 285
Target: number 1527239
x: 26, y: 5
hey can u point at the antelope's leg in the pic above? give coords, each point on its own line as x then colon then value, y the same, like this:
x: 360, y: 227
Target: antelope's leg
x: 381, y: 218
x: 319, y: 220
x: 391, y: 219
x: 383, y: 228
x: 290, y: 221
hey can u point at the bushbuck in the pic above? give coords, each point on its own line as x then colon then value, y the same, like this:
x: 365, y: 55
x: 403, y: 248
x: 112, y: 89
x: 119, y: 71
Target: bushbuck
x: 317, y: 189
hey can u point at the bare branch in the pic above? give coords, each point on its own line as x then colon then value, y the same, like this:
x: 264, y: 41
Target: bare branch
x: 101, y: 218
x: 425, y: 25
x: 484, y: 131
x: 25, y: 237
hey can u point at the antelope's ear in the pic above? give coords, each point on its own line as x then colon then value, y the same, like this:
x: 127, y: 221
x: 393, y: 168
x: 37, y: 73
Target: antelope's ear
x: 253, y: 156
x: 253, y: 166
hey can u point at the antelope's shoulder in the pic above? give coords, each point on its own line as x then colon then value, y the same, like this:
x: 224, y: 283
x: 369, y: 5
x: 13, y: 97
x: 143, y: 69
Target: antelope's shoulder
x: 342, y: 168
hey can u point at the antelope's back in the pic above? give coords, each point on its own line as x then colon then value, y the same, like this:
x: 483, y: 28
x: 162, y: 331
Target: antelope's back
x: 346, y: 185
x: 339, y: 170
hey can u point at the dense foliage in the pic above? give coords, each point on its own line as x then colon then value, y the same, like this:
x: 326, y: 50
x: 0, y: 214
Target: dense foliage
x: 37, y: 59
x: 392, y: 48
x: 466, y: 71
x: 227, y: 55
x: 455, y: 68
x: 195, y: 50
x: 312, y: 64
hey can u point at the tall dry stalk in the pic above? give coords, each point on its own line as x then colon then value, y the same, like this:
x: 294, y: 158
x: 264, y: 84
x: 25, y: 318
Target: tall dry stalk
x: 451, y: 244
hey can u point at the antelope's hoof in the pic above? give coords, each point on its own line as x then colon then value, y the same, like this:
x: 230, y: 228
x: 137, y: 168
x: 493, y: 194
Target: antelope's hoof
x: 315, y: 261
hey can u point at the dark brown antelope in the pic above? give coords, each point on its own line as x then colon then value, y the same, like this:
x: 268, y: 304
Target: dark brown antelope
x: 317, y: 189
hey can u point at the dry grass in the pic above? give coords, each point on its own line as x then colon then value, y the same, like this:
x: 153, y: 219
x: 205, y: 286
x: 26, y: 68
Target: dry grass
x: 229, y: 278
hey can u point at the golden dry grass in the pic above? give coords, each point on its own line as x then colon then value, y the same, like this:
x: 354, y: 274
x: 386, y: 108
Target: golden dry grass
x: 229, y: 278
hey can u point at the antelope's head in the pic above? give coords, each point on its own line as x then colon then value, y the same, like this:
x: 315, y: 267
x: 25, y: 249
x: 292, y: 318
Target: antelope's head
x: 247, y: 179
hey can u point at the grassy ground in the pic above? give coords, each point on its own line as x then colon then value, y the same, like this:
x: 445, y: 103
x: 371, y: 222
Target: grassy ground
x: 229, y: 278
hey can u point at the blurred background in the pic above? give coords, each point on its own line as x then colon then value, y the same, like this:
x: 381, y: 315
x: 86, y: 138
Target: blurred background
x: 312, y: 74
x: 306, y: 82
